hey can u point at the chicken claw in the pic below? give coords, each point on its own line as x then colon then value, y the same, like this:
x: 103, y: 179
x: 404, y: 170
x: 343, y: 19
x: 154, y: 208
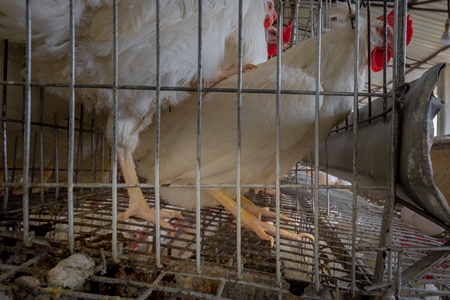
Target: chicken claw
x: 258, y: 211
x: 261, y: 228
x: 142, y: 210
x: 250, y: 222
x: 138, y: 207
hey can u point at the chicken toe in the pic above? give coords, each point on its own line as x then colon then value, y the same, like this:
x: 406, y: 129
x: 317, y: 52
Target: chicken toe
x: 250, y: 222
x: 139, y: 208
x: 258, y: 211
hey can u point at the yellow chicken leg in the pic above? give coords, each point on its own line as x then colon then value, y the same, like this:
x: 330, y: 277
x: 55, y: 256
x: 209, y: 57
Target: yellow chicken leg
x: 138, y: 207
x: 250, y: 222
x: 258, y: 211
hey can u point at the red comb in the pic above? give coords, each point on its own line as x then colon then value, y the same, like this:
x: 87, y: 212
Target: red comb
x: 377, y: 52
x: 409, y: 28
x: 287, y: 31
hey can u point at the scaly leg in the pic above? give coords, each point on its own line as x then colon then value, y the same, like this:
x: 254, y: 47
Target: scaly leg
x: 250, y: 222
x: 138, y: 207
x: 258, y: 211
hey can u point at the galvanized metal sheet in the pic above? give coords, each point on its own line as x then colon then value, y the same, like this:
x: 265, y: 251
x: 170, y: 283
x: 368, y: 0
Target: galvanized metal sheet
x: 374, y: 149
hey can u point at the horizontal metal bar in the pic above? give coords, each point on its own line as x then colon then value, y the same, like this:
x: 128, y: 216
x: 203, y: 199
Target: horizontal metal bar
x: 53, y: 126
x: 205, y: 185
x: 188, y: 89
x: 68, y: 293
x: 22, y: 266
x: 154, y: 286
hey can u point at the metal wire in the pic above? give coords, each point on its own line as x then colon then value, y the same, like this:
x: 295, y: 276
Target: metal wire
x: 26, y: 126
x: 4, y: 124
x: 342, y: 258
x: 355, y: 141
x: 316, y: 145
x: 199, y: 140
x: 114, y: 179
x: 239, y: 147
x: 277, y: 150
x: 158, y: 135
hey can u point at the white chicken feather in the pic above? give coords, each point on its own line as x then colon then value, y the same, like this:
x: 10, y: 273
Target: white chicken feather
x: 219, y: 122
x: 136, y: 55
x: 52, y: 106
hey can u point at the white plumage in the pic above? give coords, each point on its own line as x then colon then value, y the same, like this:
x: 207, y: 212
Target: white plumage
x: 219, y: 123
x: 137, y: 52
x: 53, y: 107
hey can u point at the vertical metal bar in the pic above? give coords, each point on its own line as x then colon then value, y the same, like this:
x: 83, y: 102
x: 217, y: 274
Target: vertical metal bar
x: 326, y: 164
x: 199, y: 141
x: 70, y: 154
x: 56, y: 156
x: 4, y: 126
x: 26, y: 127
x: 369, y: 71
x: 41, y: 140
x: 14, y: 167
x: 239, y: 149
x: 157, y: 134
x: 93, y: 153
x: 398, y: 280
x: 313, y: 18
x: 102, y: 158
x: 79, y: 171
x: 444, y: 114
x: 355, y: 148
x: 399, y: 55
x: 384, y: 60
x: 316, y: 147
x: 294, y: 38
x: 297, y: 198
x: 33, y: 166
x: 115, y: 58
x: 277, y: 148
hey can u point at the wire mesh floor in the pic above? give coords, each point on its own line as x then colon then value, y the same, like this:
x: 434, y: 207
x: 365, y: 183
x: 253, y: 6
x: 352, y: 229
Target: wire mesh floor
x: 137, y: 277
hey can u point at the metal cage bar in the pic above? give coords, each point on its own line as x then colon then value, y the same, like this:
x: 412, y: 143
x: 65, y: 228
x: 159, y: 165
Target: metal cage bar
x: 342, y: 261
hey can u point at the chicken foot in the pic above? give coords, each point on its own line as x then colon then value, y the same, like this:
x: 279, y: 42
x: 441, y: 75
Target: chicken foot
x: 258, y: 211
x: 250, y: 222
x: 138, y: 207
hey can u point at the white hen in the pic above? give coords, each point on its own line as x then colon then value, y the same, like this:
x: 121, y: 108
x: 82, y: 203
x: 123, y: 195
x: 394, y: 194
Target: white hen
x: 136, y: 55
x: 219, y: 123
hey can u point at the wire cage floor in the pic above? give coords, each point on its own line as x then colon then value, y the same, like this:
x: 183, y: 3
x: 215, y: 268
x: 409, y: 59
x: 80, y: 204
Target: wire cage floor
x: 136, y: 275
x: 346, y: 255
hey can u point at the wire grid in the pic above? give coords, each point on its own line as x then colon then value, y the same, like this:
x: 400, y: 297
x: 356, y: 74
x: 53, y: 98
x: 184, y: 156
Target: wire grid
x: 92, y: 217
x: 92, y: 228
